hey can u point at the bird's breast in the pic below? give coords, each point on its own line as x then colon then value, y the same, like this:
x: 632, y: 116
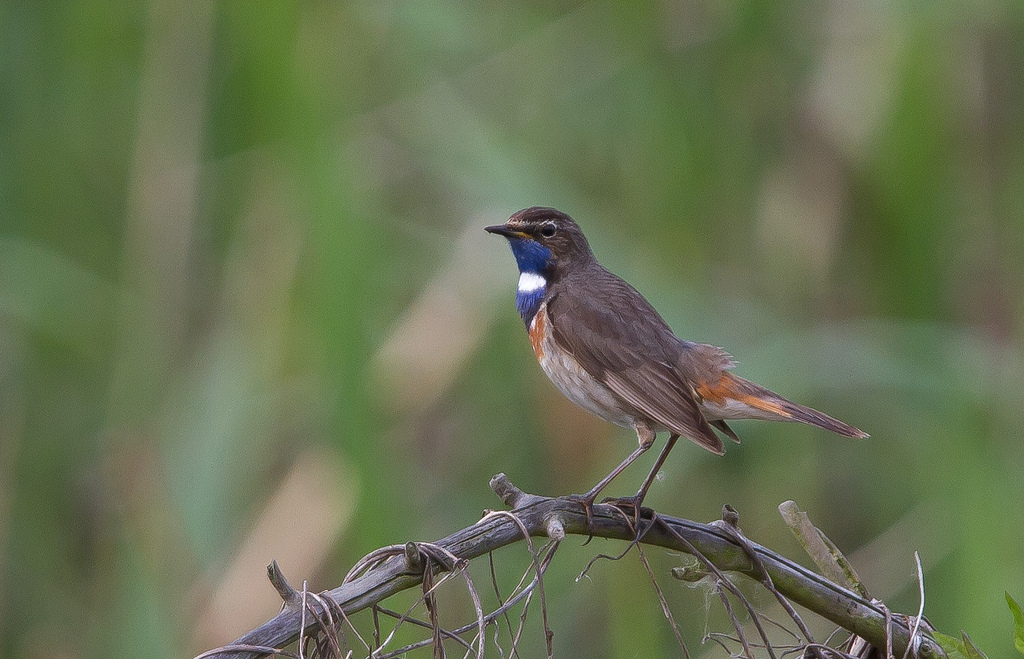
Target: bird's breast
x: 571, y: 378
x: 539, y: 332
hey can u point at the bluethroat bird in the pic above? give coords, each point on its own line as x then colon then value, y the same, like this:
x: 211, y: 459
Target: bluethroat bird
x: 607, y: 350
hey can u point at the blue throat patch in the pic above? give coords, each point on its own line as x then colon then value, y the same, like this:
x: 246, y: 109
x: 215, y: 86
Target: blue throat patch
x: 531, y: 257
x: 528, y: 303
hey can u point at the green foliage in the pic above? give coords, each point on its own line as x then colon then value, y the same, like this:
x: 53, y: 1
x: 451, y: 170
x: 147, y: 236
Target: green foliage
x: 971, y: 651
x: 962, y: 648
x: 1018, y: 623
x: 953, y: 646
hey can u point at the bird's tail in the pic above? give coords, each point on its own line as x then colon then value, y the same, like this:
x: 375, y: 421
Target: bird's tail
x: 781, y: 409
x: 813, y: 417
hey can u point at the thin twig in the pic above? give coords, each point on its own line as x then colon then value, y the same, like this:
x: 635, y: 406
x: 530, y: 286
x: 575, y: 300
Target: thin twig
x: 501, y: 603
x: 628, y: 521
x: 242, y: 647
x: 733, y: 530
x: 453, y: 635
x: 406, y: 616
x: 828, y: 650
x: 664, y: 603
x: 327, y: 604
x: 372, y: 560
x: 302, y: 628
x: 888, y: 633
x: 920, y: 609
x: 736, y: 624
x: 796, y: 637
x: 376, y: 626
x: 726, y: 583
x: 482, y: 634
x: 714, y: 637
x: 512, y: 601
x: 327, y: 638
x: 548, y: 634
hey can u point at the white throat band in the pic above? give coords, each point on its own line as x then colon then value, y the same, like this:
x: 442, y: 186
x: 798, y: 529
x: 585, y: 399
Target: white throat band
x: 531, y: 281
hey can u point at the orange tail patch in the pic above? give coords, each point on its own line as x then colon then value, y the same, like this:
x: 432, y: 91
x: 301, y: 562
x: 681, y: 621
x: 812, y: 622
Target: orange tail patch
x: 731, y: 393
x: 714, y: 393
x: 730, y: 390
x: 766, y: 405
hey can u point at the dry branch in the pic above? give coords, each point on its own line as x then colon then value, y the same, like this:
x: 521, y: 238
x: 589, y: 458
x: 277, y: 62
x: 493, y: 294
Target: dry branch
x: 394, y: 569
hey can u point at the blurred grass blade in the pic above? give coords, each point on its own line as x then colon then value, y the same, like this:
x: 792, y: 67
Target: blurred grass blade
x: 47, y: 292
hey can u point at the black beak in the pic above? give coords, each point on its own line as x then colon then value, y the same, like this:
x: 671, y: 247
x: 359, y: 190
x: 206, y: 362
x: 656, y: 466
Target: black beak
x: 504, y: 230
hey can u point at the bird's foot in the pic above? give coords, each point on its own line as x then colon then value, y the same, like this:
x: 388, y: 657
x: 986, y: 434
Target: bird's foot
x: 587, y: 501
x: 631, y: 507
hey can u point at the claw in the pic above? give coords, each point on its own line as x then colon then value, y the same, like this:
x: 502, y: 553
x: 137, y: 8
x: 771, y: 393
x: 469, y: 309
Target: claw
x: 629, y: 506
x: 587, y: 501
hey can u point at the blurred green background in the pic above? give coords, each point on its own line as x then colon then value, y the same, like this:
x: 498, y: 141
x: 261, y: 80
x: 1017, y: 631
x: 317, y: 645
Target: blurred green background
x: 248, y: 311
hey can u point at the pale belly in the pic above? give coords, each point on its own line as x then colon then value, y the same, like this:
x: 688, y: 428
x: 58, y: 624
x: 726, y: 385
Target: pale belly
x: 569, y: 377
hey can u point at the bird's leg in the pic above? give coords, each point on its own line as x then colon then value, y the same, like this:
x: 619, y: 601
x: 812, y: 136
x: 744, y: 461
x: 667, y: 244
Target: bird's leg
x: 642, y: 492
x: 646, y: 438
x: 637, y: 500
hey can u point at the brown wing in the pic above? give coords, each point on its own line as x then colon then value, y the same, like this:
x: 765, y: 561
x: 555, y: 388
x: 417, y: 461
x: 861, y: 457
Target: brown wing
x: 622, y: 341
x: 724, y: 428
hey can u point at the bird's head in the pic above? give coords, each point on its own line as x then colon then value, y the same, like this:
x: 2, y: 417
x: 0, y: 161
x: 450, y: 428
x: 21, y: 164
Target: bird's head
x: 544, y: 240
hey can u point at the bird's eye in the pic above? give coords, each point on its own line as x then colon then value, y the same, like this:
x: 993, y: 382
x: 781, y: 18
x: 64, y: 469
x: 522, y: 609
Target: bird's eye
x: 547, y: 231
